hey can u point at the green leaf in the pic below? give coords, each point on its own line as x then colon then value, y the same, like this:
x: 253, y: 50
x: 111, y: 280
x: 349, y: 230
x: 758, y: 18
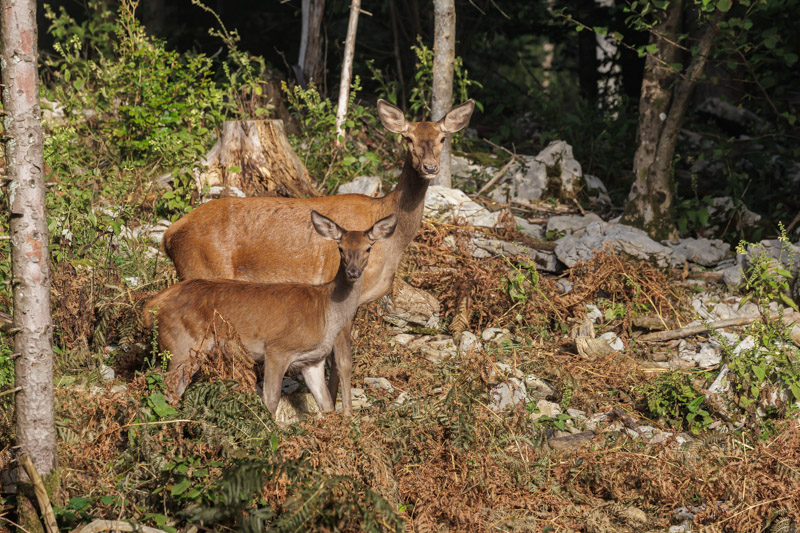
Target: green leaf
x: 600, y: 30
x: 651, y: 48
x: 760, y: 371
x: 78, y: 504
x: 724, y: 5
x: 788, y: 301
x: 795, y: 390
x: 180, y: 487
x: 233, y: 169
x: 754, y: 391
x: 744, y: 300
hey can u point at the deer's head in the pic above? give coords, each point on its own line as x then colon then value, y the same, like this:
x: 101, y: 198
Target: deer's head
x: 354, y: 246
x: 425, y: 140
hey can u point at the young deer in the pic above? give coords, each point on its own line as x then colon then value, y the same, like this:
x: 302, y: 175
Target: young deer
x: 269, y: 240
x: 289, y: 326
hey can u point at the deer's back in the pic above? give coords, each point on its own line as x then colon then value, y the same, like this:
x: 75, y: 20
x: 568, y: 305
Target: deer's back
x: 269, y: 240
x: 286, y: 318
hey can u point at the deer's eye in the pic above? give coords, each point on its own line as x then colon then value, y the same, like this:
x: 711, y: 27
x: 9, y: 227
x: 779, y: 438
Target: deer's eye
x: 368, y: 249
x: 408, y: 140
x: 444, y: 139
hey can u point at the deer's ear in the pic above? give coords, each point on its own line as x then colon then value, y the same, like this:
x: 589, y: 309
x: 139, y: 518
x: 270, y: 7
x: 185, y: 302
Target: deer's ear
x: 392, y: 117
x: 383, y: 229
x: 458, y: 117
x: 327, y: 228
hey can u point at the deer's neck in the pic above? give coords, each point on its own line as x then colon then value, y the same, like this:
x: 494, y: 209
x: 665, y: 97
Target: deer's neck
x: 343, y: 301
x: 409, y: 202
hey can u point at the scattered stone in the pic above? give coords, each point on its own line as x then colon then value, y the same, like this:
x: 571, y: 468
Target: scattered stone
x: 380, y: 384
x: 291, y: 408
x: 723, y: 210
x: 534, y: 230
x: 107, y: 373
x: 496, y: 335
x: 469, y: 342
x: 402, y: 398
x: 152, y: 232
x: 539, y: 389
x: 732, y: 275
x: 488, y: 247
x: 596, y: 190
x: 593, y: 348
x: 705, y: 252
x: 613, y: 341
x: 564, y: 285
x: 507, y: 393
x: 571, y: 224
x: 409, y: 305
x: 450, y: 205
x: 501, y: 371
x: 366, y: 185
x: 546, y: 408
x: 465, y: 168
x: 578, y: 416
x: 571, y: 442
x: 594, y: 313
x: 435, y: 348
x: 530, y: 179
x: 708, y: 356
x: 659, y: 437
x: 595, y: 421
x: 635, y: 514
x: 621, y: 238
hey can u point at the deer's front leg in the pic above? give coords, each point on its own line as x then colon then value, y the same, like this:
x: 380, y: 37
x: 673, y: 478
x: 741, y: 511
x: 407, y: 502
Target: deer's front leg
x: 314, y: 375
x: 274, y: 369
x: 343, y: 357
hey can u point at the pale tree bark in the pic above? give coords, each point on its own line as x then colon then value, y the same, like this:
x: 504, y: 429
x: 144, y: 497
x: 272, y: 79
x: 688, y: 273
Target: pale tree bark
x: 30, y: 259
x: 310, y: 56
x: 662, y: 109
x: 444, y: 48
x: 347, y: 69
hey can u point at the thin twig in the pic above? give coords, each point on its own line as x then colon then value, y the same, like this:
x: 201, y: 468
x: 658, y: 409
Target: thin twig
x: 45, y: 508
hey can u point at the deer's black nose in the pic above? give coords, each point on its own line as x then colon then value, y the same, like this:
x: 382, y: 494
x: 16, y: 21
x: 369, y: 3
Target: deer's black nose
x: 430, y: 169
x: 353, y: 273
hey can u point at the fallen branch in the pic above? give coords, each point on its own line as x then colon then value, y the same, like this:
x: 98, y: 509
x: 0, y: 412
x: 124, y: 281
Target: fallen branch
x: 41, y: 495
x: 489, y: 184
x: 688, y: 331
x: 116, y: 525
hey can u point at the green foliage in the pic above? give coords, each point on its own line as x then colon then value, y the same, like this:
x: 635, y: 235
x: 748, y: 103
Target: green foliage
x: 317, y: 501
x: 524, y: 279
x: 769, y: 369
x: 6, y: 363
x: 139, y: 102
x: 673, y: 398
x: 692, y: 213
x: 316, y: 144
x: 243, y: 73
x: 421, y: 96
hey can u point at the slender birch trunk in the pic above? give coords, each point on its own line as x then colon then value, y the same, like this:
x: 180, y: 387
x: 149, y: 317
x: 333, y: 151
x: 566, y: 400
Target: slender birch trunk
x: 347, y: 69
x: 444, y: 46
x: 30, y: 258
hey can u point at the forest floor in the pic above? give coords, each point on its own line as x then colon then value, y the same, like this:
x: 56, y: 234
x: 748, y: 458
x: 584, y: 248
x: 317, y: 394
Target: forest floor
x: 430, y: 452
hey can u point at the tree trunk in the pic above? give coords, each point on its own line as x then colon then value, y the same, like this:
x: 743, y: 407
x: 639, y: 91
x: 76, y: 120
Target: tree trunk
x: 310, y: 56
x: 661, y: 112
x: 30, y: 259
x: 347, y: 69
x: 255, y: 156
x: 649, y: 204
x: 444, y: 48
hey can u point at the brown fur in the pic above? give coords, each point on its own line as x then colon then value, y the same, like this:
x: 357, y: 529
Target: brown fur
x: 288, y: 326
x: 271, y: 240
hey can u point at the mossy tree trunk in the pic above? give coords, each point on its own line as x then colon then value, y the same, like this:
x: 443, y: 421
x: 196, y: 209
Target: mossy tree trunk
x: 662, y: 108
x: 30, y: 258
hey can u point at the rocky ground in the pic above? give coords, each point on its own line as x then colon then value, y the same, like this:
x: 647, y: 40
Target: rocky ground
x: 536, y: 368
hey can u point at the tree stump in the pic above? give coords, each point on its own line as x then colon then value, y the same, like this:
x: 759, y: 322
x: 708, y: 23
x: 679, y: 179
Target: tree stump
x: 255, y: 156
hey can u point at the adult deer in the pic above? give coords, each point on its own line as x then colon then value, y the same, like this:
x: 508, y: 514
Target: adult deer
x: 269, y: 239
x: 288, y: 326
